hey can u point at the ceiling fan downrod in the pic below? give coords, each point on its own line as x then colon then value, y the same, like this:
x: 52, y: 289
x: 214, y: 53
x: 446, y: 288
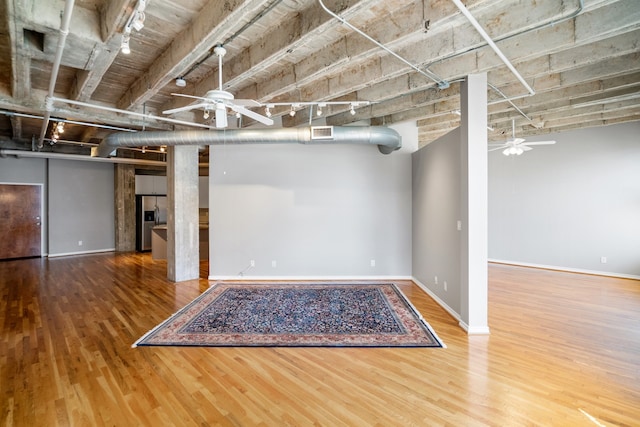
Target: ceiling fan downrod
x: 219, y: 51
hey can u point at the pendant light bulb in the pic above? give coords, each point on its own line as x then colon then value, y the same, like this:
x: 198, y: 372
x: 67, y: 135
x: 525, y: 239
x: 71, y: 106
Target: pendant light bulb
x: 124, y: 46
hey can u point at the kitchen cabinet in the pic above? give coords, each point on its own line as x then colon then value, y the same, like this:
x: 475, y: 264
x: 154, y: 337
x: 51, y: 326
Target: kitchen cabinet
x: 151, y: 184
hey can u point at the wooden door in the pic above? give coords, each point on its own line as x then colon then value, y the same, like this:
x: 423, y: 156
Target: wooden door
x: 20, y: 221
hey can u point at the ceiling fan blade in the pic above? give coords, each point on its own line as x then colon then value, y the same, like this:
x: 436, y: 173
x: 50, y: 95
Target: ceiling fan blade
x: 183, y: 95
x: 247, y: 103
x: 221, y: 116
x: 255, y: 116
x: 540, y: 143
x: 187, y: 108
x: 525, y: 148
x: 499, y: 148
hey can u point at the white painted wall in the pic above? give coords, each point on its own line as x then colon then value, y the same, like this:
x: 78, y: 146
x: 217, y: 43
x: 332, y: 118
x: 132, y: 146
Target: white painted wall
x: 569, y: 204
x: 318, y: 211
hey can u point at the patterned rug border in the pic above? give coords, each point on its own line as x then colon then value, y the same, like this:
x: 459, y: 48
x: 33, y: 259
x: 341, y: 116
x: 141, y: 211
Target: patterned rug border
x: 215, y: 286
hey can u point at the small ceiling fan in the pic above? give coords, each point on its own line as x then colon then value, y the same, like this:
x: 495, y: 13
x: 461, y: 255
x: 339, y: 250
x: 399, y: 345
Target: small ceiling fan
x: 516, y: 146
x: 220, y: 100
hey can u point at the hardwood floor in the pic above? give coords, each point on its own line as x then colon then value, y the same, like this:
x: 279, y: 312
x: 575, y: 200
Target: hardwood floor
x: 564, y: 350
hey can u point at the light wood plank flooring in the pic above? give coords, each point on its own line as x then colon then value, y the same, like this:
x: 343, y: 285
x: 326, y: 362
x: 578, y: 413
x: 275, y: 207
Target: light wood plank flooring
x: 564, y: 351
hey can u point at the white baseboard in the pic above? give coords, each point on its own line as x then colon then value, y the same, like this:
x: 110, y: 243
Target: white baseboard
x: 470, y: 331
x: 441, y: 303
x: 310, y: 278
x: 482, y: 330
x: 567, y: 269
x: 95, y: 251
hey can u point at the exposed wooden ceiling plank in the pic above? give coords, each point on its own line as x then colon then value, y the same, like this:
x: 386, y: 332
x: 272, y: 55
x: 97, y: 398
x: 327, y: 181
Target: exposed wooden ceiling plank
x: 209, y: 27
x: 540, y: 69
x: 533, y: 65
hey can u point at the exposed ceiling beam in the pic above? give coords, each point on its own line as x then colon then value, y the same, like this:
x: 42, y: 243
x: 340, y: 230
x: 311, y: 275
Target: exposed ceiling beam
x: 113, y: 17
x: 20, y: 60
x: 16, y: 127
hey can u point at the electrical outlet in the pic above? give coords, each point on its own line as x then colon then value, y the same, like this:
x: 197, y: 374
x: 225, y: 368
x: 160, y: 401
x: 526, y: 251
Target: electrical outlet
x: 274, y: 264
x: 79, y: 242
x: 445, y: 285
x: 435, y: 279
x: 373, y: 263
x: 603, y: 259
x: 252, y: 262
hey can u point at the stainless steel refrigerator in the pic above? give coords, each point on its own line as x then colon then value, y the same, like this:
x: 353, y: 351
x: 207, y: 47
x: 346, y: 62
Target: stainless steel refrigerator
x: 150, y: 211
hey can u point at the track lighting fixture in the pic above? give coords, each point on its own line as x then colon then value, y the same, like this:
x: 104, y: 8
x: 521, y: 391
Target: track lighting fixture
x: 136, y: 22
x: 181, y: 82
x: 124, y: 46
x: 292, y: 112
x: 162, y: 148
x: 58, y: 128
x: 352, y: 109
x: 321, y: 105
x: 144, y: 149
x: 267, y: 110
x: 206, y: 114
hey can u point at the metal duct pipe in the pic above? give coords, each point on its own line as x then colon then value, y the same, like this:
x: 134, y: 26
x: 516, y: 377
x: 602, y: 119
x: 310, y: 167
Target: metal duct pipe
x: 387, y: 140
x: 64, y: 31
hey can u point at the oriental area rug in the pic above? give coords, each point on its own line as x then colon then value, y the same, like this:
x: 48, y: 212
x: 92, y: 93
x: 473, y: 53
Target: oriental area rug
x: 296, y: 315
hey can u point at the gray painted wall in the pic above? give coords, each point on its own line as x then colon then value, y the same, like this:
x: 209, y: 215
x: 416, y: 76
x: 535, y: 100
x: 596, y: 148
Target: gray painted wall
x: 81, y: 207
x: 569, y: 204
x: 436, y: 189
x: 318, y: 211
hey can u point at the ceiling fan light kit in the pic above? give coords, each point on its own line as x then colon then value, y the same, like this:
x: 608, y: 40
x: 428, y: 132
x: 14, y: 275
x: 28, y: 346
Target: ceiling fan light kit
x: 513, y: 150
x: 516, y: 146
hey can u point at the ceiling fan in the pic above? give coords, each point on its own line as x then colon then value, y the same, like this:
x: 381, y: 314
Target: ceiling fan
x: 220, y: 100
x: 515, y: 145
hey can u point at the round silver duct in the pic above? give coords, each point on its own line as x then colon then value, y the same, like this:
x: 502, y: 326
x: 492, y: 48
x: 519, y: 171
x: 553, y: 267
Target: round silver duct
x: 387, y: 140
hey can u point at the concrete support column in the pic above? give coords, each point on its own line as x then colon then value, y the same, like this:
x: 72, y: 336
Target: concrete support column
x: 474, y: 205
x: 125, y: 207
x: 183, y: 240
